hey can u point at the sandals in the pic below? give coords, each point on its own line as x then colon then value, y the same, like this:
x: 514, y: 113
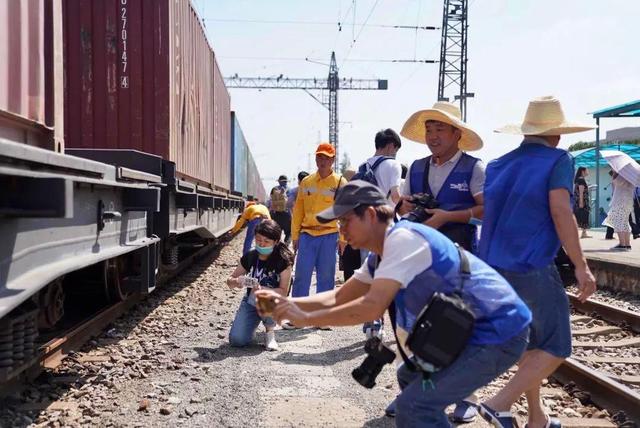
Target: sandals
x: 551, y: 423
x: 497, y: 419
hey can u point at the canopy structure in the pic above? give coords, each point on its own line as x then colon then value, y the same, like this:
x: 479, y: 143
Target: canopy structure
x: 630, y: 109
x: 587, y: 157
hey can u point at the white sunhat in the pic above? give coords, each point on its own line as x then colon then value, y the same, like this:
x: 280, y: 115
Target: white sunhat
x: 415, y: 127
x: 545, y: 117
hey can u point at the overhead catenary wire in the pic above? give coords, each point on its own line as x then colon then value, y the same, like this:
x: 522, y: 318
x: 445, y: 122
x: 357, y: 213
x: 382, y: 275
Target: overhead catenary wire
x: 314, y: 60
x: 338, y: 24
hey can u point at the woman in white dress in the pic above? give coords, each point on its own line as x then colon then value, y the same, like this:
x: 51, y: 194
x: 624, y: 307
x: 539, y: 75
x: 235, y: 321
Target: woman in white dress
x: 619, y: 211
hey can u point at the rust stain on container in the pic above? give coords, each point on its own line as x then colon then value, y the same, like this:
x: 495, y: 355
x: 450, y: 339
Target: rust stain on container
x: 141, y: 75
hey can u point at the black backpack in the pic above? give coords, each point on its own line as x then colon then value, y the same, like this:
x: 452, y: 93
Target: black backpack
x: 366, y: 172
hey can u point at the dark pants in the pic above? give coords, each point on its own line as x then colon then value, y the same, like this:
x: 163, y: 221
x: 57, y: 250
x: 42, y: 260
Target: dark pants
x: 283, y: 219
x: 609, y: 234
x: 635, y: 227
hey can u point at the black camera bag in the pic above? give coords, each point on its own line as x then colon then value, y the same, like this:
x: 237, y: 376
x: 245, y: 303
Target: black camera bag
x: 443, y: 328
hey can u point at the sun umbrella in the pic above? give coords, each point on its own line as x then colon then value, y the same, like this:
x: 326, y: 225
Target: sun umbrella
x: 623, y: 164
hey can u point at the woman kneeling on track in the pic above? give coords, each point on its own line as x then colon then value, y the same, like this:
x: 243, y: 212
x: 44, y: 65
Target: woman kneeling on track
x: 266, y: 266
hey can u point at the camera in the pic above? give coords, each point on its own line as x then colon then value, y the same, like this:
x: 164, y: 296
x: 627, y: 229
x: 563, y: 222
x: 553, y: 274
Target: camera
x: 378, y: 354
x: 421, y: 201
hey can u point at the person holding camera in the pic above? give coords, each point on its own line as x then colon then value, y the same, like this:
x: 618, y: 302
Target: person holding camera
x: 482, y: 325
x: 268, y: 265
x: 452, y: 177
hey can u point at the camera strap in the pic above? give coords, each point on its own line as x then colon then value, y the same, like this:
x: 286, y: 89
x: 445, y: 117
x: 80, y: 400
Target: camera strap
x: 465, y: 272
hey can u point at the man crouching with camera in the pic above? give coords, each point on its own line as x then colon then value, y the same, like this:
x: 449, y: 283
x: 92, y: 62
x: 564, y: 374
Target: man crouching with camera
x: 479, y: 326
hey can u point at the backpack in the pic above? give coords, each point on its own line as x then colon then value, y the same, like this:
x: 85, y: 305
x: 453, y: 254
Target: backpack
x: 366, y: 172
x: 278, y: 199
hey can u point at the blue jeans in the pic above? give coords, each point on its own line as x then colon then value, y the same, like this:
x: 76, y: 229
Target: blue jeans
x: 318, y: 252
x: 251, y: 233
x: 245, y: 324
x: 423, y: 404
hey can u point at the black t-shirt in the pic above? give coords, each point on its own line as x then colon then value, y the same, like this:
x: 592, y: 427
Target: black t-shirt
x: 267, y: 272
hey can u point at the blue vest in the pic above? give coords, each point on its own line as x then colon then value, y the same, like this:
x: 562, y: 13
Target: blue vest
x: 518, y: 233
x: 499, y: 312
x: 454, y: 195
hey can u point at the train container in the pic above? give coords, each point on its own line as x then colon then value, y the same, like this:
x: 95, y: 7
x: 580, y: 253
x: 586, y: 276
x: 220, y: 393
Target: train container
x: 222, y: 130
x: 239, y: 151
x: 31, y: 73
x: 141, y: 75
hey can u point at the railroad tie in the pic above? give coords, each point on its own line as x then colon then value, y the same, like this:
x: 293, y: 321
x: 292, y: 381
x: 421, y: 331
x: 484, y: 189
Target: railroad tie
x: 623, y: 343
x: 597, y: 330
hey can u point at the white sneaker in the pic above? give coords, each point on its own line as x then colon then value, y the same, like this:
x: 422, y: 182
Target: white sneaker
x: 270, y: 341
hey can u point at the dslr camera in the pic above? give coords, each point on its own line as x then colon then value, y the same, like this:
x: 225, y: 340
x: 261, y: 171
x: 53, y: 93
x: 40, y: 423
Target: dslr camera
x: 421, y: 201
x: 378, y: 354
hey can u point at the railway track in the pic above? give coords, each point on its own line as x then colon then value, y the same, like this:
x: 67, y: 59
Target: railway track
x: 51, y: 353
x: 612, y: 334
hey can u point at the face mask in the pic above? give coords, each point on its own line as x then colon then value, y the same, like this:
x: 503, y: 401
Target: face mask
x: 265, y: 251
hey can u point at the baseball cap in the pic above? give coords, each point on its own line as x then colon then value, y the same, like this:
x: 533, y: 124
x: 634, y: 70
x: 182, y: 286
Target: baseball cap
x: 326, y: 149
x: 283, y: 178
x: 350, y: 196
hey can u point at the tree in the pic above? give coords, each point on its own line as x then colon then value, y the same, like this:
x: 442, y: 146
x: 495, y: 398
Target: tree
x: 345, y: 163
x: 587, y: 145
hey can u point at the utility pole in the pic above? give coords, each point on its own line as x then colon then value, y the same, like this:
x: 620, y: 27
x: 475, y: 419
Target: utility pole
x: 328, y: 88
x: 453, y: 54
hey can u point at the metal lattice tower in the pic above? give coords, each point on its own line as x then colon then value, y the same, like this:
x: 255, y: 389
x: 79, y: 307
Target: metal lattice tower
x: 328, y: 88
x: 453, y: 54
x: 334, y: 84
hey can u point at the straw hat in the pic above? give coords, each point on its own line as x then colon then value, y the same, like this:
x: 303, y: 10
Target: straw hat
x: 545, y: 117
x: 415, y: 129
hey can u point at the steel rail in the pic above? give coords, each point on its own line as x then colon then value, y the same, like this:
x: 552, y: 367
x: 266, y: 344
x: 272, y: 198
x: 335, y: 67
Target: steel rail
x: 608, y: 312
x: 605, y: 392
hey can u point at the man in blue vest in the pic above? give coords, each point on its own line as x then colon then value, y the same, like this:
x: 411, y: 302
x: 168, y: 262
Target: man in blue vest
x: 528, y: 215
x: 454, y: 178
x: 409, y: 263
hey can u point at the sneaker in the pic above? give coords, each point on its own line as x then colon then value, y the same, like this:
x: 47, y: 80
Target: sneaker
x: 619, y: 248
x: 270, y: 341
x: 497, y: 419
x: 551, y: 423
x: 464, y: 412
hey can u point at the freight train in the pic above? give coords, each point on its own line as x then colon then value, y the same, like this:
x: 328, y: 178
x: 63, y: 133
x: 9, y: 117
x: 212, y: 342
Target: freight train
x: 119, y: 156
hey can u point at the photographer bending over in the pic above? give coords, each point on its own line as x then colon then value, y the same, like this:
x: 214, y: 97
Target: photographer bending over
x: 410, y: 264
x: 266, y: 266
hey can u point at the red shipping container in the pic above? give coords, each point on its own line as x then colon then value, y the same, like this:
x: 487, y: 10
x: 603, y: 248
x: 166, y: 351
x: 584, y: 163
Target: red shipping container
x: 140, y: 75
x: 30, y: 72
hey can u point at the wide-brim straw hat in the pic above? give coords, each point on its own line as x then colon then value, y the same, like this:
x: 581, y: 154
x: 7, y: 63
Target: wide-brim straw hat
x: 545, y: 117
x: 414, y: 128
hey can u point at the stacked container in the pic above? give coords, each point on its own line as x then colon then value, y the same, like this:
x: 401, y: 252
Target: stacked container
x: 141, y: 75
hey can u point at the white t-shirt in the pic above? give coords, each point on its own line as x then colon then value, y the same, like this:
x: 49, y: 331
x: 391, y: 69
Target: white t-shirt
x: 405, y: 254
x: 388, y: 174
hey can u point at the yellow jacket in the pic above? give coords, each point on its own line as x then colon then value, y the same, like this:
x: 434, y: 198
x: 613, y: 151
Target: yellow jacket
x: 250, y: 213
x: 314, y: 195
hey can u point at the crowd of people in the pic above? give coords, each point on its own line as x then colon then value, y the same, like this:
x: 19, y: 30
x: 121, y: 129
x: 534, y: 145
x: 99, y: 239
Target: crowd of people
x: 410, y: 244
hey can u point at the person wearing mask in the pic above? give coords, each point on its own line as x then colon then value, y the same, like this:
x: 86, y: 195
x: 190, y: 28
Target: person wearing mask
x: 409, y: 262
x: 268, y: 266
x: 454, y: 178
x: 252, y: 215
x: 582, y: 200
x: 528, y: 215
x: 278, y: 207
x: 315, y: 242
x: 620, y: 210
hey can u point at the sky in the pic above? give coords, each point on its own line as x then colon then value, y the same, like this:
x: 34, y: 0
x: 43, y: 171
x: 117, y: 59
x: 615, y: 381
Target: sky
x: 585, y: 52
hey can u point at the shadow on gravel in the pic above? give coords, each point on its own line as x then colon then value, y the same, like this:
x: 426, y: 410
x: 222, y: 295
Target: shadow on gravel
x: 381, y: 422
x: 22, y: 407
x: 224, y: 351
x: 325, y: 358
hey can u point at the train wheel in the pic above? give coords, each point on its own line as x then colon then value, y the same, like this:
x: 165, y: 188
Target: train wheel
x: 114, y: 277
x: 51, y: 305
